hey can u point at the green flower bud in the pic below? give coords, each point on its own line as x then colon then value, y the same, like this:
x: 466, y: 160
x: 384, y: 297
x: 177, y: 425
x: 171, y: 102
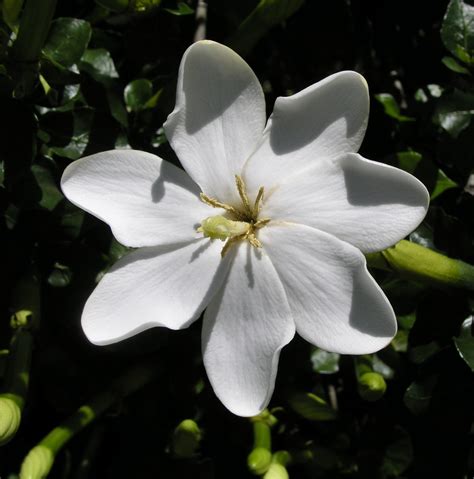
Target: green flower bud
x: 10, y: 417
x: 276, y: 471
x: 186, y: 439
x: 372, y: 386
x: 259, y: 460
x: 37, y: 463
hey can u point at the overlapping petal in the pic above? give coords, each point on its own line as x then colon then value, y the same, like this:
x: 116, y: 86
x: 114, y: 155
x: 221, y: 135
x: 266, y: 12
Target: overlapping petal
x: 334, y: 301
x: 370, y: 205
x: 159, y: 286
x: 145, y: 200
x: 323, y: 121
x: 218, y: 119
x: 245, y: 327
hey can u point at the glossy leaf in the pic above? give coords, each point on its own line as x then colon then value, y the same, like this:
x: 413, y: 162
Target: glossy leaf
x: 67, y: 40
x: 137, y: 93
x: 418, y: 395
x: 312, y: 407
x: 457, y: 31
x: 465, y: 342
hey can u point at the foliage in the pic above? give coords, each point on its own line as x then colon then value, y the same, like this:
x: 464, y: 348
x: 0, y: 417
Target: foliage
x: 101, y: 74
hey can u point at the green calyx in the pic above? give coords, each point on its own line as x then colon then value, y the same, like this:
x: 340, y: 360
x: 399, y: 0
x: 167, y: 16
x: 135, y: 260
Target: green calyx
x: 37, y: 463
x: 413, y: 261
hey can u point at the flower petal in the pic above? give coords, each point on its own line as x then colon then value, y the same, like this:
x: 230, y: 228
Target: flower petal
x: 145, y: 200
x: 324, y: 120
x: 245, y: 327
x: 218, y: 119
x: 367, y: 204
x: 160, y: 286
x: 335, y: 302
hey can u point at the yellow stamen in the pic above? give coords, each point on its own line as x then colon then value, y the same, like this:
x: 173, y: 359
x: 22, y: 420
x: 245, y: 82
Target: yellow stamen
x: 243, y: 193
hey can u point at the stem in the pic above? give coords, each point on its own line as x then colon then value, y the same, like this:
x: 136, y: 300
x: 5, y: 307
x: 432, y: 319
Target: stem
x: 34, y: 27
x: 266, y: 15
x: 260, y: 458
x: 413, y: 261
x: 40, y: 459
x: 201, y: 20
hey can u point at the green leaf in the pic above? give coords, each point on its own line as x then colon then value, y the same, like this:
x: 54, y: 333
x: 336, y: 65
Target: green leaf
x: 454, y: 112
x: 60, y: 277
x: 443, y: 183
x: 398, y: 455
x: 409, y: 160
x: 182, y: 9
x: 77, y: 143
x: 465, y: 342
x: 99, y: 64
x: 67, y: 40
x: 418, y: 395
x: 312, y: 407
x: 324, y: 362
x: 137, y: 93
x: 114, y: 5
x: 453, y: 65
x: 391, y: 107
x: 50, y: 193
x: 457, y: 31
x: 11, y: 11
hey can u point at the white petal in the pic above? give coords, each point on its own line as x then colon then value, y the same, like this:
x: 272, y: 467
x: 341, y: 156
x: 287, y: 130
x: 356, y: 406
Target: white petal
x: 145, y: 200
x: 160, y: 286
x: 245, y: 327
x: 367, y: 204
x: 218, y: 119
x: 334, y: 301
x: 322, y: 121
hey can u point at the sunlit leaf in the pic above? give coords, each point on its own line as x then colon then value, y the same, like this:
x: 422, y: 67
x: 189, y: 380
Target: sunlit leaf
x: 324, y: 362
x: 391, y: 107
x: 181, y: 9
x: 453, y: 65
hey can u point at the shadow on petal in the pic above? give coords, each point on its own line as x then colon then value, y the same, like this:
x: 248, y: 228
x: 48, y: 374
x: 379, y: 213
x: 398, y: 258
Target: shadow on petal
x: 168, y: 175
x: 209, y: 93
x: 370, y: 184
x: 370, y: 312
x: 338, y: 103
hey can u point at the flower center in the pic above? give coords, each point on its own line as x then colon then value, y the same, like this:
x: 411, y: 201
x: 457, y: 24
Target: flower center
x: 239, y: 224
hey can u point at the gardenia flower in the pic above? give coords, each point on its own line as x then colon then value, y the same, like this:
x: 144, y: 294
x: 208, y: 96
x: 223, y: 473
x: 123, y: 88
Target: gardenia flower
x: 264, y: 229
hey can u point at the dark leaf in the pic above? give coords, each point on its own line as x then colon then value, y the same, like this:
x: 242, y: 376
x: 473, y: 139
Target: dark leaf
x: 67, y: 40
x: 465, y: 342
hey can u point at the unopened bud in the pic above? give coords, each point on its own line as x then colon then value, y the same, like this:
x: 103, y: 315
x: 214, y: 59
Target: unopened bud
x: 37, y: 463
x: 10, y: 417
x: 276, y: 471
x: 186, y: 438
x: 259, y: 460
x: 372, y: 386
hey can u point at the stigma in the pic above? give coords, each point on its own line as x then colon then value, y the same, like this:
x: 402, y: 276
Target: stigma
x: 239, y: 223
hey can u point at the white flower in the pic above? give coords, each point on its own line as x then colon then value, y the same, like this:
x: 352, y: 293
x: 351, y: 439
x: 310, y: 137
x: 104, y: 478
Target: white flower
x: 303, y: 269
